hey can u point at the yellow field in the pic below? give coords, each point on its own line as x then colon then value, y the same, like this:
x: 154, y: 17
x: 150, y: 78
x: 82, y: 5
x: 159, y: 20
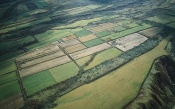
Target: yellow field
x: 116, y: 89
x: 75, y: 48
x: 87, y: 38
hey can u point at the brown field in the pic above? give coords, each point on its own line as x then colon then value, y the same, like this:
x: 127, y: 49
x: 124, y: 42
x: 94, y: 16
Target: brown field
x: 43, y: 66
x: 151, y: 32
x: 129, y: 42
x: 41, y: 59
x: 75, y: 48
x: 87, y: 38
x: 14, y: 102
x: 69, y: 43
x: 70, y: 37
x: 37, y: 53
x: 89, y: 51
x: 116, y: 89
x: 102, y: 27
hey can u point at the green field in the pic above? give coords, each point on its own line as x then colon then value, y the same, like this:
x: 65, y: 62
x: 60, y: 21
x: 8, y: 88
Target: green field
x: 119, y: 28
x: 83, y: 61
x: 63, y: 72
x: 27, y: 39
x: 172, y: 25
x: 38, y: 81
x: 7, y: 66
x: 131, y: 25
x: 103, y: 33
x: 163, y: 19
x: 11, y: 55
x: 9, y: 89
x: 94, y: 42
x: 8, y: 78
x: 82, y: 33
x: 127, y: 32
x: 103, y: 56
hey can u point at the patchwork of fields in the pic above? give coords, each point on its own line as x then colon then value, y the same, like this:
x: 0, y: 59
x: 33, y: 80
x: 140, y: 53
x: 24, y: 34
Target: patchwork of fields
x: 63, y: 52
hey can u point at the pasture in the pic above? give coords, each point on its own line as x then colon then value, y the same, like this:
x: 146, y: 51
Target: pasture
x: 172, y: 25
x: 151, y: 32
x: 38, y: 81
x: 65, y: 71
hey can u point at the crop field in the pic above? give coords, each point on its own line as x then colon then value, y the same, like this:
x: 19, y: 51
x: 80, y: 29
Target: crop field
x: 87, y: 38
x: 172, y: 25
x: 89, y: 51
x: 38, y: 81
x: 75, y: 48
x: 128, y: 42
x: 104, y: 92
x: 52, y: 35
x: 69, y: 43
x: 8, y: 66
x: 151, y: 32
x: 163, y: 19
x: 8, y: 78
x: 43, y: 66
x: 102, y: 27
x: 41, y: 59
x: 94, y: 42
x: 82, y: 33
x: 26, y: 40
x: 103, y: 33
x: 118, y: 28
x: 126, y: 32
x: 70, y: 37
x: 9, y: 89
x: 83, y: 61
x: 65, y: 71
x: 38, y: 53
x: 104, y: 56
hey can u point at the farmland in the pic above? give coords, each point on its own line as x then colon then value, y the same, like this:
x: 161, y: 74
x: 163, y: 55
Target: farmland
x: 7, y: 66
x: 63, y: 72
x: 163, y: 19
x: 103, y: 56
x: 128, y: 42
x: 82, y: 54
x: 89, y: 51
x: 94, y: 42
x: 37, y: 82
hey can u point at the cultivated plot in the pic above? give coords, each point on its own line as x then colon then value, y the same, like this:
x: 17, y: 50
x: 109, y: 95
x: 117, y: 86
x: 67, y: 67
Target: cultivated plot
x: 151, y: 32
x: 104, y: 56
x: 46, y: 50
x: 89, y: 51
x: 70, y: 37
x: 7, y: 67
x: 75, y: 48
x: 37, y: 82
x: 65, y: 71
x: 102, y: 27
x: 103, y: 33
x: 87, y: 38
x: 94, y: 42
x: 8, y: 78
x: 69, y: 43
x: 43, y: 66
x: 163, y: 19
x: 128, y: 42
